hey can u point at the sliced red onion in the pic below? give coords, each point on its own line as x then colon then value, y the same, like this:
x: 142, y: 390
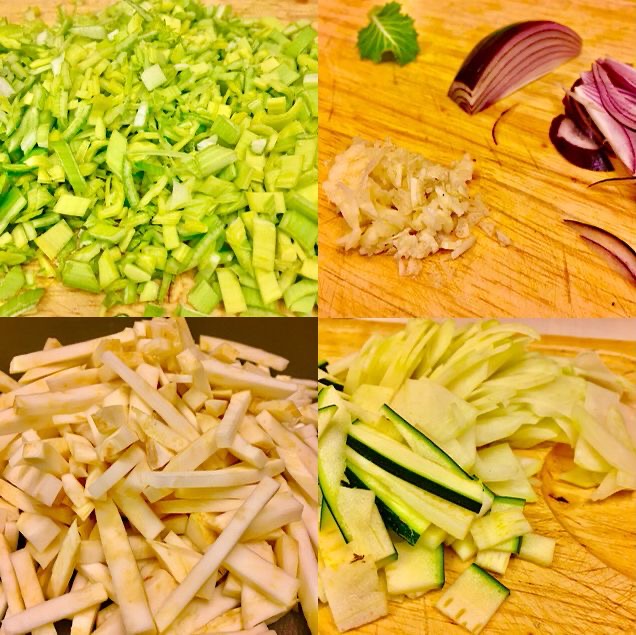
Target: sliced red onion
x: 576, y: 147
x: 575, y: 111
x: 621, y: 75
x: 621, y: 138
x: 510, y: 58
x: 618, y: 105
x: 617, y: 248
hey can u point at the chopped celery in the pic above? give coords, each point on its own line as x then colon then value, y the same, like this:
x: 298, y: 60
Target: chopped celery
x: 152, y: 310
x: 231, y: 292
x: 203, y: 297
x: 11, y: 284
x: 26, y: 301
x: 152, y: 139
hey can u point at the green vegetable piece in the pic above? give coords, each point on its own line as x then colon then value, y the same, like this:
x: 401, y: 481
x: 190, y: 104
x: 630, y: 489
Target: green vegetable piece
x: 153, y: 77
x: 233, y: 299
x: 264, y: 244
x: 22, y: 303
x: 11, y: 204
x: 152, y: 310
x: 69, y: 164
x: 203, y: 297
x: 300, y: 228
x: 388, y: 31
x: 55, y: 239
x: 11, y: 284
x: 116, y: 153
x: 69, y: 205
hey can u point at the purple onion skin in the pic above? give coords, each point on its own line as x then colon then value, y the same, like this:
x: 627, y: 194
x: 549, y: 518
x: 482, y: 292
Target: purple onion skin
x: 577, y: 113
x: 586, y: 158
x: 487, y: 49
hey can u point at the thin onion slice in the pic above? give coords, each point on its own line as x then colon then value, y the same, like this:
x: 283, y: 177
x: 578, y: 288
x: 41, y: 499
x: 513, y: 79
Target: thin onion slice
x: 575, y: 146
x: 615, y: 247
x: 510, y: 58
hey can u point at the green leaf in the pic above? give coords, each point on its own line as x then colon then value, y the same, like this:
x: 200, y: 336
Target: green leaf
x: 389, y: 31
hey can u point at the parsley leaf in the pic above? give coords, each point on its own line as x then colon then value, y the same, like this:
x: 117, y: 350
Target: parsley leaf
x: 388, y: 31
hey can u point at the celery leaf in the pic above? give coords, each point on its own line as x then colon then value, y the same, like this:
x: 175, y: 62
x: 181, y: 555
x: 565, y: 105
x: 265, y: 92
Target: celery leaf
x: 389, y: 31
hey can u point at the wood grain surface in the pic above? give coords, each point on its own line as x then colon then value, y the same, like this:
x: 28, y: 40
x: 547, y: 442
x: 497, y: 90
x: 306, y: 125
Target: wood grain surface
x: 58, y: 299
x: 527, y: 185
x: 590, y: 588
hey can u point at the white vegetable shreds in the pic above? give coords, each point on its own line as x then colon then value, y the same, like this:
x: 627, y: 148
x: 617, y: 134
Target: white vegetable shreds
x: 398, y: 202
x: 156, y: 486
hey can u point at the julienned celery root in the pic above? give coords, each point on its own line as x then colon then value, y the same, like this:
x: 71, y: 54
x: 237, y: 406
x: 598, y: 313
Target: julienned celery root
x: 154, y: 139
x: 108, y: 511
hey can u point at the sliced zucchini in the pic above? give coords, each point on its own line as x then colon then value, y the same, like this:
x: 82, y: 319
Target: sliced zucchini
x: 509, y: 546
x: 403, y: 519
x: 326, y: 379
x: 331, y: 465
x: 519, y: 488
x: 496, y: 527
x: 498, y: 463
x: 496, y: 561
x: 504, y: 503
x: 402, y: 462
x: 537, y: 549
x: 420, y: 443
x: 433, y: 537
x: 416, y: 570
x: 465, y: 549
x: 416, y: 507
x: 322, y: 364
x: 354, y: 593
x: 473, y: 599
x: 324, y: 417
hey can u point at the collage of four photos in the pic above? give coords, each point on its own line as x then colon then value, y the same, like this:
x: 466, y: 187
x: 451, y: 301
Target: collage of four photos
x: 443, y: 193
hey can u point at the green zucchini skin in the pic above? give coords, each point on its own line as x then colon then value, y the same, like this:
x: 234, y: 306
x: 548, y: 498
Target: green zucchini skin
x: 390, y: 518
x: 410, y: 477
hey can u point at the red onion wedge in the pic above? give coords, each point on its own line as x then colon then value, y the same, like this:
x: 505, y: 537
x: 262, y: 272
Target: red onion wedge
x: 576, y: 147
x: 510, y: 58
x: 575, y: 111
x: 612, y: 247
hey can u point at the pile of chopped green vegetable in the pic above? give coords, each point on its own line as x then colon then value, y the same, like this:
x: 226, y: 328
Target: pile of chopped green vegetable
x: 155, y: 139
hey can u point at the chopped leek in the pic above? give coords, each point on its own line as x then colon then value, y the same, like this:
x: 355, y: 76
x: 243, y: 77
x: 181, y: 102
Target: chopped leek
x: 143, y: 142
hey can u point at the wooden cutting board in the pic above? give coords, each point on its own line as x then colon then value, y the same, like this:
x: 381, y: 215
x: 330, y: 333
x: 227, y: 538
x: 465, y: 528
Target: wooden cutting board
x: 527, y: 185
x: 58, y: 299
x: 590, y: 588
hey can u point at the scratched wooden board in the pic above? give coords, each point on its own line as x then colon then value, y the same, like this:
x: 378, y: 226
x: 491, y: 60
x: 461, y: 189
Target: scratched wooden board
x: 590, y: 587
x: 60, y: 300
x: 526, y: 184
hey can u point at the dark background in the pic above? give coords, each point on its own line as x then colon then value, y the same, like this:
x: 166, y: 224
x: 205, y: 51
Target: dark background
x: 293, y: 338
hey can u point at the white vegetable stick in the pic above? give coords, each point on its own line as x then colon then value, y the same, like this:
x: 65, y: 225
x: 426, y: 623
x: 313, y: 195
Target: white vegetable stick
x: 260, y: 574
x: 9, y: 580
x: 54, y: 610
x: 280, y: 511
x: 127, y: 582
x: 152, y: 397
x: 66, y: 402
x: 150, y: 374
x: 240, y: 491
x: 112, y: 625
x: 45, y: 457
x: 199, y: 613
x: 41, y: 486
x: 98, y: 573
x: 161, y: 433
x: 213, y: 557
x: 308, y: 570
x: 72, y: 352
x: 13, y: 423
x: 3, y: 602
x: 139, y: 514
x: 193, y: 506
x: 7, y: 383
x: 284, y: 438
x: 298, y: 471
x: 236, y: 410
x: 30, y: 586
x: 12, y: 534
x: 35, y: 374
x: 39, y: 530
x: 64, y: 564
x: 240, y: 379
x: 91, y: 550
x: 76, y: 377
x: 116, y: 443
x: 84, y: 621
x: 228, y: 477
x: 45, y: 557
x: 286, y: 551
x: 241, y: 449
x: 115, y: 472
x: 248, y: 353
